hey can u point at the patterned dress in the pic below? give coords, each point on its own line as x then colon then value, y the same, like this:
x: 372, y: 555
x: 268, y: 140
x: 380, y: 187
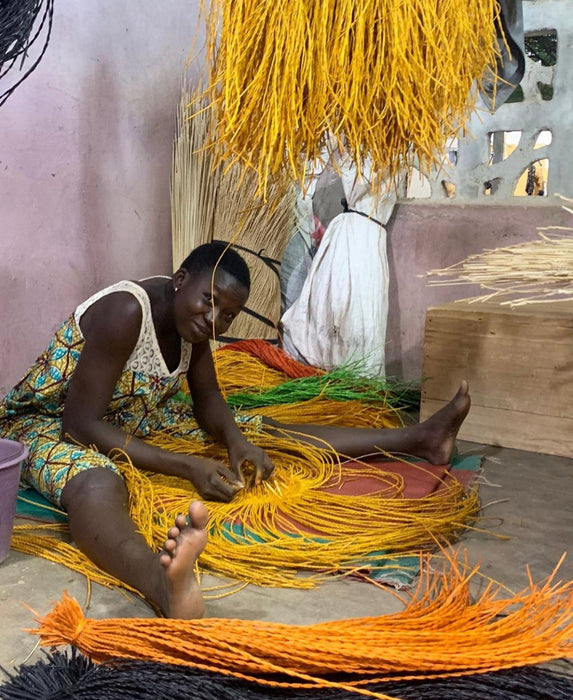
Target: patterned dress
x: 32, y: 412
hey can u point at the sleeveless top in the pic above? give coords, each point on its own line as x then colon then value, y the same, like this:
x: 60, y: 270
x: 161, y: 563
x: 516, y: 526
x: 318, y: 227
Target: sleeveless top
x: 142, y: 391
x: 146, y: 356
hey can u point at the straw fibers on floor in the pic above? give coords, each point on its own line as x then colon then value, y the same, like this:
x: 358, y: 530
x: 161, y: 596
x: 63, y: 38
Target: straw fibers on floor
x: 270, y: 534
x: 442, y: 633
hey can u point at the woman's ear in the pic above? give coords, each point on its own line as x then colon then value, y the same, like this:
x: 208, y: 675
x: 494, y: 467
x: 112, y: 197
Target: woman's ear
x: 179, y: 278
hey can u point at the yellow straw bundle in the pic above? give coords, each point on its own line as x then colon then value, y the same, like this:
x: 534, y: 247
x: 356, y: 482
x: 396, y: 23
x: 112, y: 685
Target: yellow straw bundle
x: 351, y: 414
x: 290, y: 524
x: 383, y: 79
x: 440, y: 634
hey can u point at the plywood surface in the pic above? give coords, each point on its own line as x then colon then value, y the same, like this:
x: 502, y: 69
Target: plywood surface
x: 519, y: 363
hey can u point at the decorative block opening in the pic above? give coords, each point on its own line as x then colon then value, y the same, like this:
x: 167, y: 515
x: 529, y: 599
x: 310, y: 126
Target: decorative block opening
x: 533, y: 180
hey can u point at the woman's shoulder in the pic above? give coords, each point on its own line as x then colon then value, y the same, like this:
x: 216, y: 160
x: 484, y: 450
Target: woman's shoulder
x: 119, y: 308
x: 117, y: 293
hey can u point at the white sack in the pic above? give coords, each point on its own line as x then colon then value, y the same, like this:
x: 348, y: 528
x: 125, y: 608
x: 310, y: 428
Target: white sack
x: 342, y: 311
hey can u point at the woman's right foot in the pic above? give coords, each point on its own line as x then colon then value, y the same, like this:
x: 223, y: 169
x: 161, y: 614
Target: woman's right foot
x: 437, y: 434
x: 185, y: 541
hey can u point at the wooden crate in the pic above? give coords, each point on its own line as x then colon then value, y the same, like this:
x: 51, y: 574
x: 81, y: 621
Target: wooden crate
x: 519, y: 364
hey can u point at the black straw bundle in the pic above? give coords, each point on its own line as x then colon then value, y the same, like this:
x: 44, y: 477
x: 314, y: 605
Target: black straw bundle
x: 61, y: 676
x: 22, y: 23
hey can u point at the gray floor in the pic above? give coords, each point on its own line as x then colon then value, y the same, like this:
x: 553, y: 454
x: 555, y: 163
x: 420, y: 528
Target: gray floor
x: 526, y: 496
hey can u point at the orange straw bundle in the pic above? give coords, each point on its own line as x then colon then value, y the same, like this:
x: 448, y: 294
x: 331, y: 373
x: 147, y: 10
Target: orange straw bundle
x: 439, y: 634
x: 272, y: 357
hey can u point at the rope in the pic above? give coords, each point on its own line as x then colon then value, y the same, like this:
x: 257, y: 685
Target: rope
x: 22, y: 23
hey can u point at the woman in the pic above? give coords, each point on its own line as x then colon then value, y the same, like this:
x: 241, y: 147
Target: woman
x: 105, y: 381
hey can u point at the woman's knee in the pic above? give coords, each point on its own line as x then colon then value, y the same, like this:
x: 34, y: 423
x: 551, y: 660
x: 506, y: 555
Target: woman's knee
x: 99, y: 484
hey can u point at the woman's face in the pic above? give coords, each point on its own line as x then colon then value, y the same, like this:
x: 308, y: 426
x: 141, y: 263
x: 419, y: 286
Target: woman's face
x: 205, y: 307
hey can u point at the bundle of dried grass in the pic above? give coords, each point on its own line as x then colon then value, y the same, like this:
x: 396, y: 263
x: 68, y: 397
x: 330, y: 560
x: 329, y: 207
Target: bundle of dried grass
x: 194, y: 180
x: 210, y: 202
x: 372, y: 79
x: 441, y: 633
x: 263, y: 231
x: 529, y: 273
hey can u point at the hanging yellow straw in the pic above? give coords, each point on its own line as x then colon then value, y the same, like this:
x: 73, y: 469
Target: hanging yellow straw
x: 385, y: 80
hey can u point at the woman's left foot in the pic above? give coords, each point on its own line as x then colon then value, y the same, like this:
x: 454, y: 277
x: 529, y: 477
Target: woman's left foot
x: 438, y: 433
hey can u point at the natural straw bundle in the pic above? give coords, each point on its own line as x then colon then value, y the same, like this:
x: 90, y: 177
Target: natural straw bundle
x: 209, y: 202
x: 528, y: 273
x: 441, y: 633
x: 382, y: 79
x: 261, y: 232
x: 194, y: 181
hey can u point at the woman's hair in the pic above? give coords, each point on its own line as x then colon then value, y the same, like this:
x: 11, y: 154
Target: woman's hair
x: 206, y: 257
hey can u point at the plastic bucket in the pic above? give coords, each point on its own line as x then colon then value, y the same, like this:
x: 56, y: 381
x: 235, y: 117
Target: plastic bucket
x: 12, y: 454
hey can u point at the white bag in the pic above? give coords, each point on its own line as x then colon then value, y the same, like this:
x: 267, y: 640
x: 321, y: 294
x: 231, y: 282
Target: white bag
x: 341, y: 314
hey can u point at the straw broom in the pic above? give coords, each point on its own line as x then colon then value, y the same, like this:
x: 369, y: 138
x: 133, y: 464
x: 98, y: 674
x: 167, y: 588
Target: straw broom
x: 537, y: 272
x: 210, y: 202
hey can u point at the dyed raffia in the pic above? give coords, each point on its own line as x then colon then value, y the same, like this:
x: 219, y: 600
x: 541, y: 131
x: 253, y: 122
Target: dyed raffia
x: 290, y: 524
x: 274, y: 357
x: 248, y: 382
x: 76, y: 676
x: 268, y: 534
x: 336, y: 533
x: 440, y: 634
x: 384, y: 80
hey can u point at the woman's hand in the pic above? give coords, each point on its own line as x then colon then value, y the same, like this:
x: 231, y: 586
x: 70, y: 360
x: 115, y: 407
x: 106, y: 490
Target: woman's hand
x: 213, y: 480
x: 242, y: 451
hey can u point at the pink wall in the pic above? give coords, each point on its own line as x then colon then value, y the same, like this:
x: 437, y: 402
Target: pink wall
x: 85, y: 158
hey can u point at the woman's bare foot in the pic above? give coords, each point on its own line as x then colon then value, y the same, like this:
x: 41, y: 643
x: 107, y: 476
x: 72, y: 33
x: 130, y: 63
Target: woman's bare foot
x: 437, y: 434
x: 185, y: 542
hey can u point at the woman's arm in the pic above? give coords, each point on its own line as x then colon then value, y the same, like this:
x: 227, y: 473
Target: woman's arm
x: 215, y: 417
x: 111, y: 329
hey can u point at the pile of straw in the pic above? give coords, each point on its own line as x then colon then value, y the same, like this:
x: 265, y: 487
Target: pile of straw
x: 209, y: 202
x: 383, y: 79
x: 537, y: 272
x: 441, y: 633
x: 77, y: 676
x: 270, y: 533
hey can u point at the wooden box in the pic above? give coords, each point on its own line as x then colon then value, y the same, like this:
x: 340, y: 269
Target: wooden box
x: 519, y: 364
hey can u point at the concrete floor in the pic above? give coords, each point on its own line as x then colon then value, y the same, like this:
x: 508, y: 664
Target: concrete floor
x: 526, y: 496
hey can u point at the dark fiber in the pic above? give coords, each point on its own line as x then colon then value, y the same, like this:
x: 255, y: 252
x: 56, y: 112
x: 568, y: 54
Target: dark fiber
x: 71, y: 676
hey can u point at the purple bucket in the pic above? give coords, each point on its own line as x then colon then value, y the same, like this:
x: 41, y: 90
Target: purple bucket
x: 12, y: 454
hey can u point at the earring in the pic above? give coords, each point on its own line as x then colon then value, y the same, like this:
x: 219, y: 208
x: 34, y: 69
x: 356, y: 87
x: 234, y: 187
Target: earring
x: 176, y: 289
